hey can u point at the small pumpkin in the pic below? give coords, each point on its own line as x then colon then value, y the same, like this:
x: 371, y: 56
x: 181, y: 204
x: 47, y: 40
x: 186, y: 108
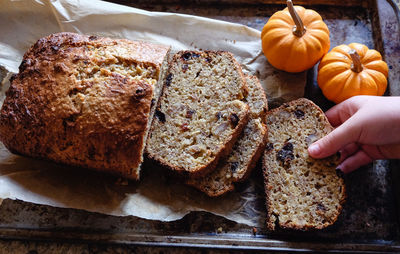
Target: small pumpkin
x: 350, y: 70
x: 295, y: 39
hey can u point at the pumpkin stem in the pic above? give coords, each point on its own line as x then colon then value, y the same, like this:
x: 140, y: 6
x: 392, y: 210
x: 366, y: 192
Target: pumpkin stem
x: 298, y: 29
x: 356, y: 66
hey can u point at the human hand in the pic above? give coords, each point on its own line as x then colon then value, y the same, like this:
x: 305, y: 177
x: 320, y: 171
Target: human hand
x: 367, y: 128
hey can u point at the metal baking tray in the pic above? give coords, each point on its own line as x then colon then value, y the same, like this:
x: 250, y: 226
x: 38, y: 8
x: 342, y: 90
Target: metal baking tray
x: 370, y: 219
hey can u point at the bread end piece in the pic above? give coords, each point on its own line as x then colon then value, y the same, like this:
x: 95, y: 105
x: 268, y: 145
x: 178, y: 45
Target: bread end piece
x: 83, y: 101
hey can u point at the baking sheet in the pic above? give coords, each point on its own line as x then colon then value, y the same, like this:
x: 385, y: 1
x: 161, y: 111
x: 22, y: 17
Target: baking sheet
x: 156, y: 196
x: 369, y: 221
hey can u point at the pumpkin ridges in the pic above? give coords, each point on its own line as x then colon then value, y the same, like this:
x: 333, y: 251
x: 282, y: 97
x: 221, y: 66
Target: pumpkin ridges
x: 273, y: 43
x: 315, y: 41
x: 379, y: 78
x: 334, y: 57
x: 327, y: 78
x: 272, y: 35
x: 282, y: 15
x: 330, y: 71
x: 301, y: 53
x: 379, y: 66
x: 321, y: 38
x: 272, y: 21
x: 299, y: 9
x: 319, y: 31
x: 274, y: 55
x: 351, y: 88
x: 342, y: 49
x: 367, y: 84
x: 371, y: 56
x: 311, y: 16
x: 289, y: 51
x: 332, y: 85
x: 361, y: 49
x: 276, y: 24
x: 318, y: 25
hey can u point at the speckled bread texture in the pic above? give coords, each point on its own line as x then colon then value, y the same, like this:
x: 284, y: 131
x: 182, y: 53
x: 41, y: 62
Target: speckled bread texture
x: 200, y: 113
x: 84, y: 101
x: 301, y: 192
x: 246, y: 151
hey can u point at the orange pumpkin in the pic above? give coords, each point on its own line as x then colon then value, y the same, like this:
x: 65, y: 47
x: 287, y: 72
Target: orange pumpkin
x: 350, y: 70
x: 295, y: 39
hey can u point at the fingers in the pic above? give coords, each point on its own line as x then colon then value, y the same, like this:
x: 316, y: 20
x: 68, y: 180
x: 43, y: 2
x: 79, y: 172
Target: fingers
x: 354, y: 162
x: 333, y: 115
x: 339, y: 113
x: 348, y: 150
x: 391, y: 151
x: 345, y: 134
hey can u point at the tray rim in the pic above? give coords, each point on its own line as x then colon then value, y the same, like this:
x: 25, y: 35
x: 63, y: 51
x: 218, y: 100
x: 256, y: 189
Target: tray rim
x: 223, y: 241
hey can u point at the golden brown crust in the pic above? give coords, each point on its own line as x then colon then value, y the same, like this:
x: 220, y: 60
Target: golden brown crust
x: 272, y: 219
x: 71, y: 104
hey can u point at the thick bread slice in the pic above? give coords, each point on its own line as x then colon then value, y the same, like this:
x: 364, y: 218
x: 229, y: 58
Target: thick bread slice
x: 84, y: 101
x: 200, y: 113
x: 301, y: 192
x: 246, y: 151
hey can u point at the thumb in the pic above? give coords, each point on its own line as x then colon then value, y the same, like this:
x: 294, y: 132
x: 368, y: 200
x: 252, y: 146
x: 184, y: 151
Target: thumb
x: 330, y: 144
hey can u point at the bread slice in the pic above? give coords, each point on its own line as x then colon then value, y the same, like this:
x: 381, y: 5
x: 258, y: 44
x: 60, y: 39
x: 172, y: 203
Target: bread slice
x: 84, y: 101
x: 200, y: 113
x: 246, y: 151
x: 301, y: 192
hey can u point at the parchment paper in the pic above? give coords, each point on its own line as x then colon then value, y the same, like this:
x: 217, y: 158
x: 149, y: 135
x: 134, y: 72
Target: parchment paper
x: 156, y: 196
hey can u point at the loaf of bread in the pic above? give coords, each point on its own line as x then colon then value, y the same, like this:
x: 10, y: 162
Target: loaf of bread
x: 200, y: 114
x: 301, y: 192
x: 84, y: 101
x: 246, y: 151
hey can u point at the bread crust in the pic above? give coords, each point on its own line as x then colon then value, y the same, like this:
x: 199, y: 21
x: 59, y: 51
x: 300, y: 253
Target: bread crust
x: 273, y: 220
x: 67, y: 104
x: 258, y: 153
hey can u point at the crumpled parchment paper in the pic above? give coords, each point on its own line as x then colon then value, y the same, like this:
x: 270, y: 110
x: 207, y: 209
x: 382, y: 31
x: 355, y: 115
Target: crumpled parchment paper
x: 156, y: 196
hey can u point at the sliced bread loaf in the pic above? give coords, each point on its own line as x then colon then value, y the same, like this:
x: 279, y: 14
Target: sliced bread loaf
x: 301, y: 192
x: 246, y: 151
x: 200, y: 113
x: 84, y: 101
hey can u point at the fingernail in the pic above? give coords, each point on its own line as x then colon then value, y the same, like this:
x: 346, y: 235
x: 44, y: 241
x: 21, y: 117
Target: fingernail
x: 314, y: 149
x: 339, y: 172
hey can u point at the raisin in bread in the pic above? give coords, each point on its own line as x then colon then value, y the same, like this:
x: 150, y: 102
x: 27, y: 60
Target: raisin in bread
x: 200, y: 113
x: 246, y: 151
x: 301, y: 192
x: 84, y: 101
